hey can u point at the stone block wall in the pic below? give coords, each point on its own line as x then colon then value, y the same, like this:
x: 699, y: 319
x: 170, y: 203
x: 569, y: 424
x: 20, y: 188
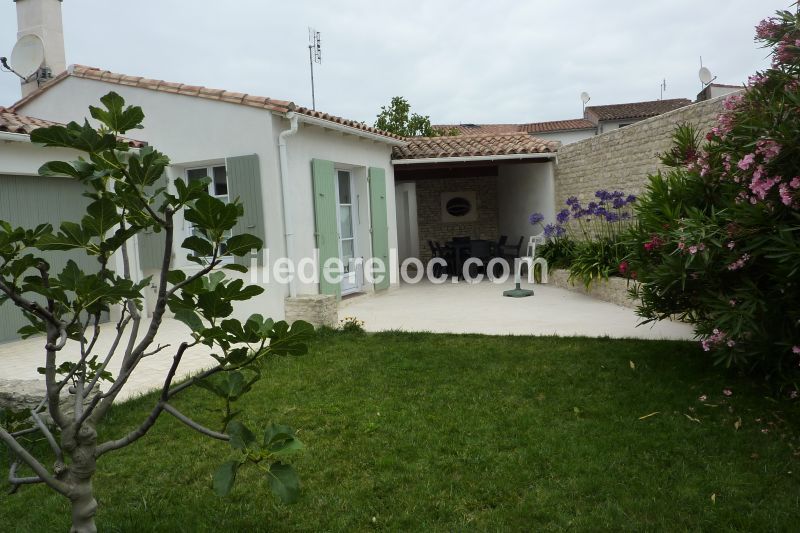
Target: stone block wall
x: 317, y: 309
x: 622, y: 159
x: 429, y: 211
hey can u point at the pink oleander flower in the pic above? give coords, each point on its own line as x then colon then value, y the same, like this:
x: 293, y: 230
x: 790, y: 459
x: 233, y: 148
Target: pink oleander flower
x: 746, y: 162
x: 681, y: 245
x: 768, y: 148
x: 693, y: 249
x: 786, y: 195
x: 727, y: 392
x: 767, y: 28
x: 793, y: 395
x: 703, y: 397
x: 796, y: 350
x: 731, y: 245
x: 795, y: 183
x: 739, y: 263
x: 732, y: 101
x: 732, y: 302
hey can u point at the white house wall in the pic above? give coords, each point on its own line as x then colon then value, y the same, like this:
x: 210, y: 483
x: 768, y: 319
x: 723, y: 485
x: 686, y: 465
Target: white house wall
x: 347, y: 152
x: 190, y: 131
x: 566, y: 137
x: 523, y: 189
x: 24, y: 158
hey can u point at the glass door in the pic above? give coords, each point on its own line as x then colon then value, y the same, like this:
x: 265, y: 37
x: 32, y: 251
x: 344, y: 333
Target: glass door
x: 347, y: 239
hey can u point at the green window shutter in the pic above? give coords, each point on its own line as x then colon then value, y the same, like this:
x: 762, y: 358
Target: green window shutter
x: 379, y: 220
x: 325, y: 218
x: 244, y: 182
x: 151, y: 244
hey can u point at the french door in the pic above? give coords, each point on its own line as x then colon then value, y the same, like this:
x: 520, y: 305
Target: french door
x: 347, y: 235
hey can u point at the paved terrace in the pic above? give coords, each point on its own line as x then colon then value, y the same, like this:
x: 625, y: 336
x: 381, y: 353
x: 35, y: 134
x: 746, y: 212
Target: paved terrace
x: 446, y: 308
x: 481, y: 308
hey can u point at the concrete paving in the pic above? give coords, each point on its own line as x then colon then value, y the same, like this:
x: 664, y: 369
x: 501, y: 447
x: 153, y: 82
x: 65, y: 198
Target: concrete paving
x: 446, y: 308
x: 19, y: 359
x: 482, y: 308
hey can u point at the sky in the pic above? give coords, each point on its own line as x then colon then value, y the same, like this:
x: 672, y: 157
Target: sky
x: 457, y: 61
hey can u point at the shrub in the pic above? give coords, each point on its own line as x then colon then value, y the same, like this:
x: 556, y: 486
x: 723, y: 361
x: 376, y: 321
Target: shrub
x: 717, y: 240
x: 586, y: 240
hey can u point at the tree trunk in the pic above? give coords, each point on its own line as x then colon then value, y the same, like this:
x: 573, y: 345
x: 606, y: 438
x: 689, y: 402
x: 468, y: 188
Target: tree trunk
x: 81, y: 449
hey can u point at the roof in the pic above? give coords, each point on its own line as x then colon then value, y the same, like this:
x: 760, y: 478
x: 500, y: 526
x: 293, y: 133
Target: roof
x: 635, y: 109
x: 261, y: 102
x: 558, y: 125
x: 473, y: 146
x: 13, y: 122
x: 531, y: 127
x: 479, y: 129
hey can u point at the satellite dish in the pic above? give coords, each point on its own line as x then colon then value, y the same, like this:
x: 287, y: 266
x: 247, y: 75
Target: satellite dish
x: 705, y: 75
x: 585, y: 97
x: 27, y: 55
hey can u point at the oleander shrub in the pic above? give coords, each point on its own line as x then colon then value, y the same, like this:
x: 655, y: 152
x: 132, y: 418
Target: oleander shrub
x: 717, y: 238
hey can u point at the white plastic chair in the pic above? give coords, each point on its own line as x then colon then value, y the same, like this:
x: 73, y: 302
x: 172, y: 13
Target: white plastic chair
x: 529, y: 259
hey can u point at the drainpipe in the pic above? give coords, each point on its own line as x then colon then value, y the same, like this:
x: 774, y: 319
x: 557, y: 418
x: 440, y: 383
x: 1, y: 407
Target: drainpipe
x: 288, y: 236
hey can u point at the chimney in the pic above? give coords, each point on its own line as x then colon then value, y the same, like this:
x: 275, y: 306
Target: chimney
x: 43, y: 19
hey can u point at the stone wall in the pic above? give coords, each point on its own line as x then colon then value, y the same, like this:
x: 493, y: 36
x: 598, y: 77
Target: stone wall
x: 317, y: 309
x: 429, y: 211
x: 622, y: 159
x: 614, y: 290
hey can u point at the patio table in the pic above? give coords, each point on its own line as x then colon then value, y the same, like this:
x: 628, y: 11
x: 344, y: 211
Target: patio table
x: 462, y: 250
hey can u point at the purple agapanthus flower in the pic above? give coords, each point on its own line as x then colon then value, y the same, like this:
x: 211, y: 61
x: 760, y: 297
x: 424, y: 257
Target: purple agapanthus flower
x: 563, y: 216
x: 536, y: 218
x: 572, y: 201
x: 618, y: 203
x: 612, y: 216
x: 602, y: 194
x: 554, y: 230
x: 630, y: 199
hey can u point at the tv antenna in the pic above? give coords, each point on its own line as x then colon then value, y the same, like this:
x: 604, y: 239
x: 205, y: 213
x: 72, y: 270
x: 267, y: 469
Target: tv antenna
x: 705, y: 75
x: 314, y: 56
x: 585, y: 99
x: 26, y: 58
x: 663, y: 88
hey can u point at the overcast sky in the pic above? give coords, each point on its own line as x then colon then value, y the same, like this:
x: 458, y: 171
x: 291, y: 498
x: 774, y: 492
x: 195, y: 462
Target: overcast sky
x: 458, y: 61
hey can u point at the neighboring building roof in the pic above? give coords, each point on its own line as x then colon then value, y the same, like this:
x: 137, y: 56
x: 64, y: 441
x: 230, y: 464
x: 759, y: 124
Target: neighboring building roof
x: 635, y: 109
x: 472, y: 146
x: 479, y: 129
x: 558, y: 125
x: 12, y: 122
x: 553, y: 126
x: 262, y: 102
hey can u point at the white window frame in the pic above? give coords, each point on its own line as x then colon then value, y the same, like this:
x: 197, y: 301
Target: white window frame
x: 209, y: 168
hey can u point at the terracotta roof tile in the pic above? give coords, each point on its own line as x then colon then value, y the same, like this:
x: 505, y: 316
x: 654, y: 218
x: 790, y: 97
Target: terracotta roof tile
x: 278, y: 106
x: 479, y: 129
x: 15, y: 123
x: 558, y: 125
x: 635, y: 109
x: 472, y: 145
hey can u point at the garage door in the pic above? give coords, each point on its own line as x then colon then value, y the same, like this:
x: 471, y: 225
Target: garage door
x: 30, y: 200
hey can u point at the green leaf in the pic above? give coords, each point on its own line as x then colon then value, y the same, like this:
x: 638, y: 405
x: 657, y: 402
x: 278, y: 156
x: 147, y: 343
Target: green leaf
x: 60, y: 168
x: 290, y: 341
x: 240, y: 245
x: 235, y: 267
x: 190, y: 318
x: 241, y: 436
x: 198, y: 245
x: 114, y: 117
x: 101, y: 216
x: 224, y: 477
x: 284, y: 482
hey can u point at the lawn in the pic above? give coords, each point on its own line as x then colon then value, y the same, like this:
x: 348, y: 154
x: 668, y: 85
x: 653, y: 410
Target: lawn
x: 429, y: 432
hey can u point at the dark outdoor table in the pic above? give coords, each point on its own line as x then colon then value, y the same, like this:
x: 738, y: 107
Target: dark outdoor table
x: 462, y: 250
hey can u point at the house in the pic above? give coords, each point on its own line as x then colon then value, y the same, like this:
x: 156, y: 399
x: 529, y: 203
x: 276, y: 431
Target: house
x: 714, y: 90
x: 316, y: 188
x: 481, y: 186
x: 615, y: 116
x: 27, y: 199
x: 596, y: 120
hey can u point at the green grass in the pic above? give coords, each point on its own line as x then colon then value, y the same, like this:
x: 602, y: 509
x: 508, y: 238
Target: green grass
x: 428, y: 432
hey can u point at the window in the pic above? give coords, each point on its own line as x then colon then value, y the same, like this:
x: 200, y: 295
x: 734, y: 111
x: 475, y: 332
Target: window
x: 218, y: 188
